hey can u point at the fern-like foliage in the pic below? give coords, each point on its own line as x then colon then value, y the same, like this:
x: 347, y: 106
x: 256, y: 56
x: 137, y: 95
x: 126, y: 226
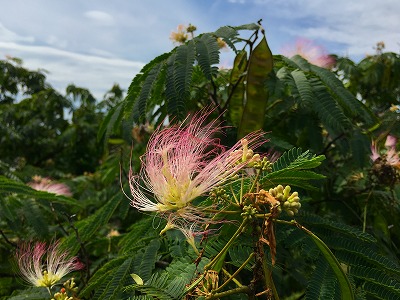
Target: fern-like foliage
x: 138, y: 235
x: 12, y: 186
x: 26, y: 211
x: 109, y: 281
x: 372, y: 273
x: 30, y: 294
x: 292, y: 168
x: 161, y: 287
x: 171, y: 283
x: 88, y: 227
x: 166, y: 80
x: 323, y: 284
x: 321, y: 92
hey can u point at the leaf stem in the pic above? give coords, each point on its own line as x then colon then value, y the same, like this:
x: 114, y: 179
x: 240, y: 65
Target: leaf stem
x: 228, y: 244
x: 239, y: 290
x: 236, y: 273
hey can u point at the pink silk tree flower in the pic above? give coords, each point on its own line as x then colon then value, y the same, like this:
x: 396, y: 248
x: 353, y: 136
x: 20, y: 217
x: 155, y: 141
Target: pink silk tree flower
x: 374, y: 152
x: 390, y: 142
x: 47, y: 185
x: 313, y: 53
x: 184, y: 162
x: 44, y: 265
x: 393, y: 158
x: 180, y: 36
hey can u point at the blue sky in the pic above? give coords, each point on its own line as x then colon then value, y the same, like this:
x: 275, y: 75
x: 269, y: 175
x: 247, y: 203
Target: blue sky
x: 95, y: 43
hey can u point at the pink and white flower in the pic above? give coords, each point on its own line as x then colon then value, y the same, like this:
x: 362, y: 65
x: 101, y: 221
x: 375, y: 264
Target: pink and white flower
x: 44, y: 265
x: 308, y: 50
x: 47, y: 185
x: 390, y: 154
x: 184, y: 162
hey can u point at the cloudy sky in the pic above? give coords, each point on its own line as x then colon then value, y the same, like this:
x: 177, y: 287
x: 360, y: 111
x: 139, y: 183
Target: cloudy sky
x: 96, y: 43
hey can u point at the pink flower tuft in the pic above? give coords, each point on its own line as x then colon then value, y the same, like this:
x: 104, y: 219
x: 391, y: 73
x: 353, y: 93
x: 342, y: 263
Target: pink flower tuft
x: 308, y: 50
x: 390, y: 142
x: 180, y: 36
x: 47, y: 185
x: 390, y: 154
x: 374, y: 152
x: 43, y: 265
x: 184, y: 162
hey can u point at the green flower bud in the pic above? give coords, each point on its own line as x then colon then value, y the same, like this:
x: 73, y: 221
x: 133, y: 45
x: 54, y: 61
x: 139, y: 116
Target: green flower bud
x: 290, y: 213
x: 286, y: 191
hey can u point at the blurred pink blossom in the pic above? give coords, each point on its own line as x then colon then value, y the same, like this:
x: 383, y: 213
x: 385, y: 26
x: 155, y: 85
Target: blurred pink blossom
x: 47, y: 185
x: 391, y: 141
x: 44, y: 265
x: 313, y: 53
x: 180, y: 36
x: 374, y: 152
x: 390, y: 154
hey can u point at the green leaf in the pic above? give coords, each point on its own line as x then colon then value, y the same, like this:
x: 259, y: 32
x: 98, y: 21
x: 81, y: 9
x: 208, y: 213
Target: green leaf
x: 99, y: 278
x: 117, y: 281
x: 344, y: 283
x: 259, y: 67
x: 145, y: 259
x: 141, y: 103
x: 291, y: 177
x: 179, y: 77
x: 323, y: 283
x: 30, y: 294
x: 237, y: 88
x: 207, y: 54
x: 350, y: 105
x: 88, y: 227
x: 303, y: 87
x: 296, y: 159
x: 328, y: 110
x: 228, y: 34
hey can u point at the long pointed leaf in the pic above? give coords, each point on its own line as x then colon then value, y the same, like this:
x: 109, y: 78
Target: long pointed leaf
x: 260, y: 66
x: 344, y: 283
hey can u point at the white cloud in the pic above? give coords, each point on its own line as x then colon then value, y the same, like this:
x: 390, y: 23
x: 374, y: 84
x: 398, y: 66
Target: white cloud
x: 7, y: 35
x: 98, y: 74
x: 100, y: 17
x: 96, y: 43
x: 53, y: 40
x: 358, y: 25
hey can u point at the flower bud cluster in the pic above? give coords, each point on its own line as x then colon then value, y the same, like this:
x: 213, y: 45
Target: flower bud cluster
x: 219, y: 194
x: 248, y: 211
x: 263, y: 164
x: 70, y: 285
x: 290, y: 202
x: 62, y: 295
x: 245, y: 154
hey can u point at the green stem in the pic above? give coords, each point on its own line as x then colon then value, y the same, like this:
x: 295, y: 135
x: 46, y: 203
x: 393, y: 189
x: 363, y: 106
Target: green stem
x: 233, y: 279
x: 236, y: 273
x: 268, y: 279
x: 241, y: 191
x: 255, y: 181
x: 234, y: 196
x: 195, y: 283
x: 262, y: 216
x: 242, y: 289
x: 365, y: 211
x: 215, y: 259
x: 228, y: 212
x: 228, y: 244
x: 365, y: 216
